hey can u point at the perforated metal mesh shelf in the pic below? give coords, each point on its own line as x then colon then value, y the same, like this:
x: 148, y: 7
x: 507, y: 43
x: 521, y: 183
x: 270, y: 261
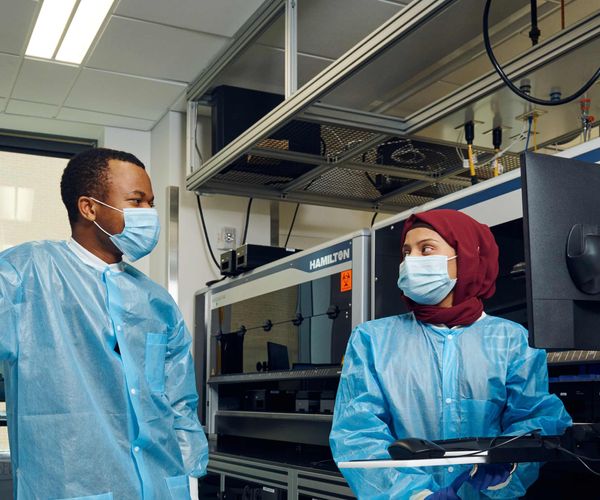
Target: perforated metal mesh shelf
x: 332, y: 165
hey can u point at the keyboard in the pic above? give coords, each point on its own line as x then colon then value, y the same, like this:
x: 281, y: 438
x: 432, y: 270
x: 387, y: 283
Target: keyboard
x: 501, y: 449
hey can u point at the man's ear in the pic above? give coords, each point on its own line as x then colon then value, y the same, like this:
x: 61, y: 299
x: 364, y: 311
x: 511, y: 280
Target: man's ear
x: 87, y: 208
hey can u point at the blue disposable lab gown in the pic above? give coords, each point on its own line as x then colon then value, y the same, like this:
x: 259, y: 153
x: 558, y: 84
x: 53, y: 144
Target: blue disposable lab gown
x: 403, y: 378
x: 85, y: 421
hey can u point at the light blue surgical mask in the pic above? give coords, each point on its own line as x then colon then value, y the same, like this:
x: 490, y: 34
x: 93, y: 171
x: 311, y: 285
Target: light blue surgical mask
x: 425, y: 280
x: 140, y: 234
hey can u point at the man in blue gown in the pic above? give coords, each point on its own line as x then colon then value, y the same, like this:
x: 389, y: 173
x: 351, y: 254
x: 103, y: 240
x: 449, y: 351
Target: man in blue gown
x: 100, y: 385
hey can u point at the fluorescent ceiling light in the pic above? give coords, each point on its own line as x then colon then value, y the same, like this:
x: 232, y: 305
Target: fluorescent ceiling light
x: 49, y: 26
x: 82, y: 30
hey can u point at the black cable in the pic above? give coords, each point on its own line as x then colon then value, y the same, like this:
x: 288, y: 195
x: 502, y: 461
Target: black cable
x: 373, y: 183
x: 291, y: 225
x: 535, y: 32
x: 374, y: 217
x: 504, y: 443
x: 283, y: 322
x: 196, y: 142
x: 581, y: 459
x: 247, y: 221
x: 212, y: 282
x: 206, y: 233
x: 530, y: 119
x: 511, y: 85
x: 323, y: 148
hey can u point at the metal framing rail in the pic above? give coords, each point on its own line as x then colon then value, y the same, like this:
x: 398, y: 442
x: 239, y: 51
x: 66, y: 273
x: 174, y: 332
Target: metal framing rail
x: 538, y: 56
x: 402, y: 24
x: 268, y: 12
x: 302, y: 105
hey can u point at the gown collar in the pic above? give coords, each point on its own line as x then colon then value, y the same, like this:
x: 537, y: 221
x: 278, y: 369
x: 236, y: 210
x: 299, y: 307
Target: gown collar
x: 483, y: 315
x: 92, y: 260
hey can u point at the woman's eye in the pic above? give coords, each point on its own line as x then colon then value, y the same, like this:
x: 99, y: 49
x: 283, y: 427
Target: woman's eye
x: 427, y: 250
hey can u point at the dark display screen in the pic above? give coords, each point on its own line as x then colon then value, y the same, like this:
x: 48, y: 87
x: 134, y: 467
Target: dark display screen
x: 304, y: 325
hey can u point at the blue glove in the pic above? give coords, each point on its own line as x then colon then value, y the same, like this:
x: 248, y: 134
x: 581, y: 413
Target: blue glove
x: 450, y: 492
x: 489, y: 475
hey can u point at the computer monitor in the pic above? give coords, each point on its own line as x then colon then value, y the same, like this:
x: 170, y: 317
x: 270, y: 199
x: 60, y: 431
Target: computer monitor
x: 561, y: 219
x: 277, y: 356
x: 232, y: 352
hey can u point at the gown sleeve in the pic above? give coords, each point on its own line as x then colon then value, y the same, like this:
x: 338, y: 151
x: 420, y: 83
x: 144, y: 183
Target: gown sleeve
x: 360, y: 430
x: 529, y: 406
x: 10, y: 298
x: 180, y: 388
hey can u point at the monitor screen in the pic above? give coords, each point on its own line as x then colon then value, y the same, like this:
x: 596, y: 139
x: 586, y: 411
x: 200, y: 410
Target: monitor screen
x: 561, y: 216
x: 277, y: 356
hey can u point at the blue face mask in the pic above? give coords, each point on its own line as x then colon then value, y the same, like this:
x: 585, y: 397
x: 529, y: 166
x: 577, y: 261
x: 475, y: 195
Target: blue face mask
x: 425, y: 280
x: 140, y: 234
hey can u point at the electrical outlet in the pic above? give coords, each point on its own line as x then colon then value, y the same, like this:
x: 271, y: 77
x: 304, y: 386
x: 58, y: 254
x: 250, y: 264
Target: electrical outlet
x: 227, y: 238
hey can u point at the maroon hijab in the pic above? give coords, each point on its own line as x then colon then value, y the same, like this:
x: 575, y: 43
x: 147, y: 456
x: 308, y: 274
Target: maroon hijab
x: 477, y: 265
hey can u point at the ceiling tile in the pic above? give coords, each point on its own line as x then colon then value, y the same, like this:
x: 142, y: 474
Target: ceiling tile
x: 146, y: 49
x: 262, y: 68
x: 180, y: 104
x: 220, y: 17
x: 106, y: 119
x: 9, y: 65
x: 330, y: 28
x: 122, y: 95
x: 44, y: 81
x: 15, y: 23
x: 419, y: 100
x: 27, y: 108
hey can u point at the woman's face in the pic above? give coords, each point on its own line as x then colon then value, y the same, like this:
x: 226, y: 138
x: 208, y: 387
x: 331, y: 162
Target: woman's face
x: 421, y: 241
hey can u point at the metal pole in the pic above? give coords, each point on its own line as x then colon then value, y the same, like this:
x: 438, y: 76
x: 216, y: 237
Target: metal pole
x: 274, y: 213
x: 173, y: 242
x: 192, y: 120
x: 291, y: 47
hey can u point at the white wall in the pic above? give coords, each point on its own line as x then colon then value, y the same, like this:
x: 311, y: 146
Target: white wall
x: 315, y: 225
x: 163, y: 174
x: 195, y: 265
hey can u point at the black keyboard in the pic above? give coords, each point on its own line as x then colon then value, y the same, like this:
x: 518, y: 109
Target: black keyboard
x: 501, y: 449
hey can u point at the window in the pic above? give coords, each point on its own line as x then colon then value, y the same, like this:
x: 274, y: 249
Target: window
x: 30, y: 204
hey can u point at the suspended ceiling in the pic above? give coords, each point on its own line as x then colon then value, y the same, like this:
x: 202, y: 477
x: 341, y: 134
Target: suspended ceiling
x: 139, y: 67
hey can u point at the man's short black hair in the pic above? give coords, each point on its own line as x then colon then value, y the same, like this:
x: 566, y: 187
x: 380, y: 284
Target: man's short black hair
x: 86, y: 174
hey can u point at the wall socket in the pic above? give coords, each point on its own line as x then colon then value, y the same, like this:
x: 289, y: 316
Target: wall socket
x: 226, y: 239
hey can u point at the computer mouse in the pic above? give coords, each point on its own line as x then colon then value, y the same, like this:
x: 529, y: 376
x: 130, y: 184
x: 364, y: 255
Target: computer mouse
x: 414, y: 448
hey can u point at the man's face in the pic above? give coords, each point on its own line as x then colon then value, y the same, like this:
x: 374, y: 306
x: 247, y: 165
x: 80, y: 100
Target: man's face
x: 128, y: 187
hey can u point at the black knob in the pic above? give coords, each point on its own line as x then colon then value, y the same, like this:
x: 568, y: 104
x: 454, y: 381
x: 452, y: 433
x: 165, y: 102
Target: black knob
x: 333, y: 311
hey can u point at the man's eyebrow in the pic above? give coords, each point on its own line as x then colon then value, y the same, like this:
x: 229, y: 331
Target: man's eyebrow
x: 137, y: 191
